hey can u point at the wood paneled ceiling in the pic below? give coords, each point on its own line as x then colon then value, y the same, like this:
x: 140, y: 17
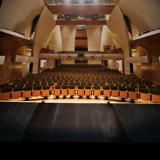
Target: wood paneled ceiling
x: 81, y: 9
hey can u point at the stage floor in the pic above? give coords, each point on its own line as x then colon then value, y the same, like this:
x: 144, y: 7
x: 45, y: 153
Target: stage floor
x: 76, y: 122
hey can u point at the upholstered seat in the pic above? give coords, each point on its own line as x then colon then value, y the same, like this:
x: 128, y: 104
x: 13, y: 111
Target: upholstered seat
x: 6, y: 93
x: 123, y: 93
x: 132, y: 94
x: 155, y: 93
x: 144, y: 94
x: 80, y: 90
x: 64, y: 90
x: 46, y: 91
x: 17, y: 92
x: 88, y: 91
x: 114, y: 91
x: 27, y: 92
x: 36, y: 91
x: 106, y: 92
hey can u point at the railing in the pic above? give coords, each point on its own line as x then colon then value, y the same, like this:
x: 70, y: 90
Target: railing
x: 155, y: 78
x: 8, y: 77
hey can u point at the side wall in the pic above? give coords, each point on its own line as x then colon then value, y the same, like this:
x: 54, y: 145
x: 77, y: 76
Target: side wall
x: 94, y: 62
x: 8, y: 46
x: 150, y: 71
x: 67, y: 62
x: 112, y: 63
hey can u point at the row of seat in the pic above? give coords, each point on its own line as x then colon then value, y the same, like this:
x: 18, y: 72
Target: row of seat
x: 106, y: 91
x: 84, y: 80
x: 136, y: 86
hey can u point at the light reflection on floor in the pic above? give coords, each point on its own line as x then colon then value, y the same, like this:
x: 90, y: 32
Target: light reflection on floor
x: 76, y: 99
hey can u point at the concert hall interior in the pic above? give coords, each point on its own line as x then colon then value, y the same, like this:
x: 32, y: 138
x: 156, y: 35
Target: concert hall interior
x: 80, y: 70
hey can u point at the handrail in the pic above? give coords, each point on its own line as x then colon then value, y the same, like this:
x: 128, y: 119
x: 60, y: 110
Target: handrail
x: 8, y: 77
x: 155, y: 78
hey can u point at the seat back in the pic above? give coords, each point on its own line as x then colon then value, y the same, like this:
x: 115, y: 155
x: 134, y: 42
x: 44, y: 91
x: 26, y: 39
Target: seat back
x: 130, y: 89
x: 122, y: 89
x: 71, y: 87
x: 113, y: 87
x: 141, y: 86
x: 80, y: 87
x: 6, y: 90
x: 46, y: 87
x: 143, y: 90
x: 88, y: 87
x: 96, y: 87
x: 17, y: 89
x: 155, y: 91
x: 105, y: 87
x: 58, y: 87
x: 27, y: 89
x: 37, y: 88
x: 64, y: 87
x: 29, y: 85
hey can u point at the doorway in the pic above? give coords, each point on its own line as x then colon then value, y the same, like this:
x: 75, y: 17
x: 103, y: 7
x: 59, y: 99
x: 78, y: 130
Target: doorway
x: 117, y: 66
x: 131, y: 68
x: 30, y: 67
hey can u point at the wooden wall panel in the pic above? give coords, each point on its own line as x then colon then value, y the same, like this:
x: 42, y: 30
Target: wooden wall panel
x: 45, y: 50
x: 9, y: 45
x: 119, y: 51
x: 81, y: 9
x: 81, y: 33
x: 81, y: 43
x: 80, y: 22
x: 150, y: 71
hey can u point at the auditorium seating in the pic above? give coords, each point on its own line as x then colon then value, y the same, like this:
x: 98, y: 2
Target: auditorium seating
x: 27, y: 91
x: 88, y: 91
x: 17, y: 93
x: 5, y: 93
x: 97, y: 91
x: 144, y: 94
x: 84, y: 79
x: 64, y: 90
x: 80, y: 91
x: 155, y: 93
x: 106, y: 92
x: 57, y: 91
x: 46, y: 91
x: 36, y: 91
x: 132, y: 94
x: 71, y: 90
x: 123, y: 93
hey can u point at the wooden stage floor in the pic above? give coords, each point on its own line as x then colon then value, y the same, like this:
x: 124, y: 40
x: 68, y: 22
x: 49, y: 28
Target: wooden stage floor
x: 80, y: 122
